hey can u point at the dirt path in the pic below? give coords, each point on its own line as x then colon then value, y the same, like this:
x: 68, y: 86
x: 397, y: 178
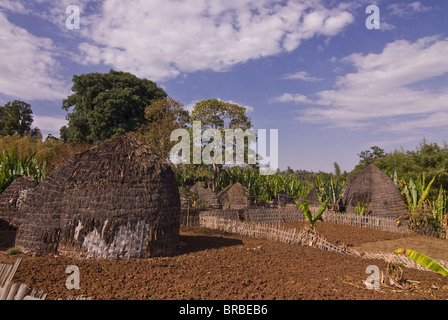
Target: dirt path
x: 215, y: 265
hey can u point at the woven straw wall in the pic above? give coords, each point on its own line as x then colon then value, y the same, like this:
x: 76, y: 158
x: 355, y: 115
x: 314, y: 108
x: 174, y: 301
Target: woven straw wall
x: 117, y: 200
x: 12, y: 198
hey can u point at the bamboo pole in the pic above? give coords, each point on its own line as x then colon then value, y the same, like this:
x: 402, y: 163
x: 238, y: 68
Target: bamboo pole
x: 12, y: 291
x: 5, y: 290
x: 21, y: 293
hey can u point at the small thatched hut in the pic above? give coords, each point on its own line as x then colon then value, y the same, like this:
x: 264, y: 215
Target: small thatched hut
x: 116, y: 200
x: 206, y: 195
x: 235, y: 197
x: 313, y: 198
x: 374, y: 187
x: 283, y: 200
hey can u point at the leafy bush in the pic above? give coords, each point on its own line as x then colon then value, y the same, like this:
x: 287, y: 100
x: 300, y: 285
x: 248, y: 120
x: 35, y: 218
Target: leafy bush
x: 12, y: 251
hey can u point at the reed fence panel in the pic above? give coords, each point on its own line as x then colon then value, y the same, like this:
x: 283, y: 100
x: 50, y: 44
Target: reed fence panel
x: 371, y: 222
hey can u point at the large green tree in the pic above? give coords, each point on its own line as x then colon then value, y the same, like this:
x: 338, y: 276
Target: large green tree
x: 163, y: 116
x: 367, y: 157
x: 106, y: 105
x: 428, y: 158
x: 220, y: 115
x: 15, y: 118
x: 217, y: 114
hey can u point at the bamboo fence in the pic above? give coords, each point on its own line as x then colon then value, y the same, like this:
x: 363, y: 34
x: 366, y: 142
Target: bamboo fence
x: 275, y: 215
x: 371, y: 222
x: 269, y: 232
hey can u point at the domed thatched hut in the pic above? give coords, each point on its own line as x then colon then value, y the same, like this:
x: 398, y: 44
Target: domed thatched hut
x: 313, y: 198
x: 116, y: 200
x: 235, y: 197
x: 207, y: 195
x: 374, y: 187
x: 12, y: 198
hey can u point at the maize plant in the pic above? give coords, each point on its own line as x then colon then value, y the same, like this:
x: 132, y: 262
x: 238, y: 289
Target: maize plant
x: 12, y: 167
x: 262, y: 187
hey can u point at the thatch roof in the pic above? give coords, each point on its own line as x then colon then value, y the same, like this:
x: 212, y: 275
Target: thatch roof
x: 12, y: 198
x: 282, y: 200
x: 374, y: 187
x: 206, y: 195
x: 116, y: 200
x: 312, y: 197
x: 235, y: 197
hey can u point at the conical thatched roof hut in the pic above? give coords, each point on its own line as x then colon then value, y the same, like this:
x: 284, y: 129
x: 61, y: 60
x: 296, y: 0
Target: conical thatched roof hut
x: 206, y: 195
x: 313, y: 198
x: 374, y: 187
x: 12, y: 198
x: 116, y: 200
x: 235, y: 197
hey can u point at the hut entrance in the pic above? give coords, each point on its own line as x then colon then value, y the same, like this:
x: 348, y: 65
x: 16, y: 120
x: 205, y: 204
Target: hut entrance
x: 7, y: 235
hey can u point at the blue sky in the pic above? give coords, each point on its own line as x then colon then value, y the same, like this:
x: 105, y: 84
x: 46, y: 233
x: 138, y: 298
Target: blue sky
x: 310, y: 69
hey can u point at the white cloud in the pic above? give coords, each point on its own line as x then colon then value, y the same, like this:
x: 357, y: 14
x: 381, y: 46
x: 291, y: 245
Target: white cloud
x: 13, y: 6
x: 406, y: 10
x: 385, y: 87
x: 162, y: 39
x: 49, y: 124
x: 387, y: 26
x: 301, y: 75
x: 289, y: 97
x: 28, y: 68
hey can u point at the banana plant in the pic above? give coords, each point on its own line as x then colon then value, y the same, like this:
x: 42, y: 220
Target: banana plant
x: 440, y: 207
x: 361, y: 211
x: 330, y: 190
x: 416, y: 193
x: 307, y: 212
x: 423, y: 260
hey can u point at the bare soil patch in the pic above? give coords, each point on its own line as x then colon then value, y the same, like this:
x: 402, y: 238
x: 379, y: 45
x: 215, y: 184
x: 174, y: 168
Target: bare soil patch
x: 214, y: 265
x: 341, y: 234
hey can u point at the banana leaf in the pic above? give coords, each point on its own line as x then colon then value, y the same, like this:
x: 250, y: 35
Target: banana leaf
x: 425, y: 192
x: 423, y: 260
x: 307, y: 212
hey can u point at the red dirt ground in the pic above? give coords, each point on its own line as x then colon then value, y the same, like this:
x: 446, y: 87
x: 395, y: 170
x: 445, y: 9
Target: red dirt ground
x: 215, y: 265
